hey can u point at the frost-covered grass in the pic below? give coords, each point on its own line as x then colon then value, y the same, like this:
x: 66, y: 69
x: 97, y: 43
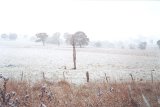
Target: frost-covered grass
x: 33, y: 59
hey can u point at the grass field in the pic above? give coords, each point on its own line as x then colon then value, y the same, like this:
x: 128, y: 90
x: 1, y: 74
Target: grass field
x: 33, y: 59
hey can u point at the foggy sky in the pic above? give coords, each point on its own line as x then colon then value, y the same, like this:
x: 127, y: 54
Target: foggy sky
x: 100, y: 20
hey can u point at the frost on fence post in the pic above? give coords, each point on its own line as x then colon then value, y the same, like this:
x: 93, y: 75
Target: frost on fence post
x: 43, y: 75
x: 22, y: 76
x: 152, y: 75
x: 106, y: 77
x: 87, y: 76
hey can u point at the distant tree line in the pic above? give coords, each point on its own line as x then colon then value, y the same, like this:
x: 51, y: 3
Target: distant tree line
x: 77, y: 39
x: 142, y: 45
x: 80, y: 39
x: 11, y: 36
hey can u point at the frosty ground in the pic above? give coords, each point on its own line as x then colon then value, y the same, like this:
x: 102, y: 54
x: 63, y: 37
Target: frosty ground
x: 33, y: 59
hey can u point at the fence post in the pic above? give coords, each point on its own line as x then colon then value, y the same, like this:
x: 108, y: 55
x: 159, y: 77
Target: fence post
x: 106, y: 77
x: 43, y: 75
x: 22, y: 76
x: 152, y: 75
x: 87, y: 75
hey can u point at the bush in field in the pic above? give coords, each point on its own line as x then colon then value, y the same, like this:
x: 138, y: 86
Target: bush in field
x: 132, y: 46
x: 41, y: 37
x: 55, y: 39
x: 13, y: 36
x: 142, y: 45
x: 108, y: 44
x: 97, y: 44
x: 158, y: 43
x: 33, y: 38
x: 120, y: 44
x: 67, y: 38
x: 4, y: 36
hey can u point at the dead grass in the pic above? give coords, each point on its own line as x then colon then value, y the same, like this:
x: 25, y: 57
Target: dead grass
x: 64, y: 94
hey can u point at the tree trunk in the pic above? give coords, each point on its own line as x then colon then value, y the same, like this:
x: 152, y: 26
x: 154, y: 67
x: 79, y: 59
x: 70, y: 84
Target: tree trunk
x: 74, y: 56
x: 87, y: 75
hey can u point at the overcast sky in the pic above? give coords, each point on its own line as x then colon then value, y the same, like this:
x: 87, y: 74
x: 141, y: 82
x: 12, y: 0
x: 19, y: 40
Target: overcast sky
x: 99, y: 19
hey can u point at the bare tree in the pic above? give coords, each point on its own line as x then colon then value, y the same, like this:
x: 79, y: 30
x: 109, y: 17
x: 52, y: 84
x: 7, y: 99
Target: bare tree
x: 42, y: 37
x: 142, y: 45
x: 13, y: 36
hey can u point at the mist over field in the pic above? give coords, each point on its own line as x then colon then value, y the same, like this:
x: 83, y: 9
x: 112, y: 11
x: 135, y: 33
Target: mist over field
x: 116, y: 59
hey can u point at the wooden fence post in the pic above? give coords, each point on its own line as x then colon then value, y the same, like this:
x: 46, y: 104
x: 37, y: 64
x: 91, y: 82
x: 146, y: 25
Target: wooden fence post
x: 87, y: 76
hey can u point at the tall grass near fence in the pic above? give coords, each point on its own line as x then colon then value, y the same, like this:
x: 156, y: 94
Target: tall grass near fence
x: 91, y: 94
